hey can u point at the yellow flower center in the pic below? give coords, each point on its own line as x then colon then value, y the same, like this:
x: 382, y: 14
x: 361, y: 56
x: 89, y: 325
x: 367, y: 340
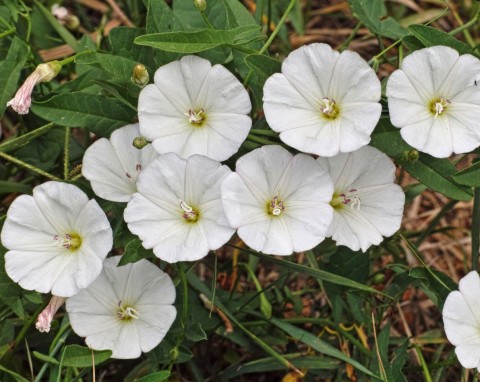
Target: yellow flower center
x: 190, y: 214
x: 329, y: 108
x: 71, y: 241
x: 196, y: 117
x: 345, y: 199
x: 438, y: 105
x: 275, y: 207
x: 126, y: 312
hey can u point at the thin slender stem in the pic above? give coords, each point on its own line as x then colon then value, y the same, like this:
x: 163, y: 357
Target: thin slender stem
x: 206, y: 20
x: 272, y: 37
x: 375, y: 58
x: 476, y: 228
x: 350, y: 37
x: 66, y: 153
x: 72, y: 58
x: 29, y: 166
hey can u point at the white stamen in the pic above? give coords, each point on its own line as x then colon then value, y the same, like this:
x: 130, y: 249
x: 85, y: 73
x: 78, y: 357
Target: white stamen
x: 328, y: 108
x: 440, y: 106
x: 126, y: 313
x: 185, y: 207
x: 276, y: 206
x: 195, y: 117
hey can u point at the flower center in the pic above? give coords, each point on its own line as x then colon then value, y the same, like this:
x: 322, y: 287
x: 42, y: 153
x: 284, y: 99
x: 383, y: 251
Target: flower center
x: 196, y: 117
x: 438, y: 105
x: 275, y: 207
x: 189, y: 214
x: 339, y: 201
x: 329, y: 108
x: 126, y: 313
x: 71, y: 241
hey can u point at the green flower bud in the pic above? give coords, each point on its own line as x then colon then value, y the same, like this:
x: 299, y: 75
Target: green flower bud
x: 409, y: 156
x: 201, y: 5
x: 140, y: 75
x: 140, y: 142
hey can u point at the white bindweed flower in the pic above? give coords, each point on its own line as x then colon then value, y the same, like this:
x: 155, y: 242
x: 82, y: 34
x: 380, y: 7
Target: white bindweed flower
x: 178, y: 210
x: 435, y: 100
x: 195, y: 108
x: 127, y: 309
x: 367, y: 202
x: 278, y: 202
x: 461, y: 318
x: 112, y: 166
x: 324, y: 102
x: 57, y: 239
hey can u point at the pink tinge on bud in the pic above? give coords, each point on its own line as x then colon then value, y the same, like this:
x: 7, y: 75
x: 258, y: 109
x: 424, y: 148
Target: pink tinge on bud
x: 23, y: 98
x: 44, y: 319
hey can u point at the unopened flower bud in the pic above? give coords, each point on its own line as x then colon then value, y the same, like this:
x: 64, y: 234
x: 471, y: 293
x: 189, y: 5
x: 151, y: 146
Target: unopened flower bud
x: 409, y: 156
x: 23, y: 98
x: 72, y: 22
x: 201, y: 5
x: 62, y: 14
x: 140, y: 142
x: 44, y: 319
x: 140, y: 75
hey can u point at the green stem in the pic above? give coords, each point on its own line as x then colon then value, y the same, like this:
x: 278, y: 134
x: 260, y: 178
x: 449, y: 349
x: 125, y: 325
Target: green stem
x: 426, y: 372
x: 29, y: 166
x: 72, y: 58
x: 419, y: 258
x: 183, y: 317
x: 272, y: 37
x: 462, y: 28
x: 350, y: 37
x: 375, y: 58
x: 262, y: 141
x: 27, y: 325
x: 66, y: 153
x: 206, y: 20
x: 476, y: 228
x: 61, y: 337
x: 6, y: 33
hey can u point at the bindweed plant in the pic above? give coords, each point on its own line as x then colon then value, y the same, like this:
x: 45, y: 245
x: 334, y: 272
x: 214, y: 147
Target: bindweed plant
x: 214, y: 190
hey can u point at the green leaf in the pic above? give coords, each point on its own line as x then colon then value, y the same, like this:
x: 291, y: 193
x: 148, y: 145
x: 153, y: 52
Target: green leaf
x: 80, y: 356
x: 195, y: 333
x: 372, y: 13
x: 16, y: 143
x: 7, y: 187
x: 469, y: 176
x: 430, y: 36
x: 134, y: 252
x: 270, y: 364
x: 350, y: 264
x: 59, y: 28
x: 160, y: 17
x: 317, y: 273
x: 11, y: 68
x: 438, y: 174
x: 316, y: 343
x: 199, y: 41
x: 435, y: 173
x: 263, y: 66
x: 14, y: 375
x: 433, y: 284
x: 99, y: 114
x: 159, y: 376
x: 45, y: 358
